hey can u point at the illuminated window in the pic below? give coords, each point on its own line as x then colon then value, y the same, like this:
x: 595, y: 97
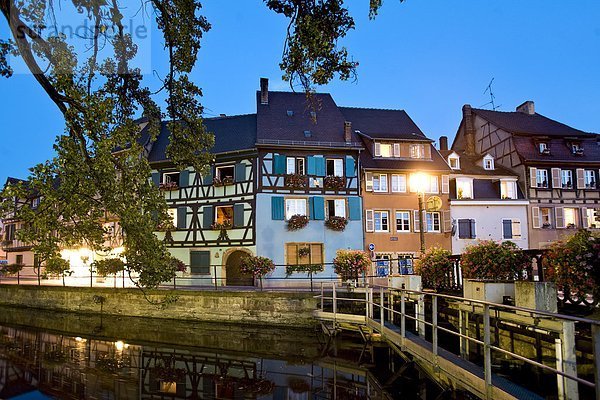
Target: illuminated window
x: 224, y: 215
x: 464, y: 188
x: 172, y: 215
x: 570, y: 215
x: 546, y: 217
x: 433, y: 184
x: 508, y: 189
x: 383, y: 150
x: 592, y: 221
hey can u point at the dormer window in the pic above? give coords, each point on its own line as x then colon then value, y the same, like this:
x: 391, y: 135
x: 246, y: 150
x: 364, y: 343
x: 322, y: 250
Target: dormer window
x: 576, y: 149
x: 464, y: 188
x: 544, y: 148
x: 488, y: 163
x: 383, y: 149
x: 417, y: 151
x: 454, y: 162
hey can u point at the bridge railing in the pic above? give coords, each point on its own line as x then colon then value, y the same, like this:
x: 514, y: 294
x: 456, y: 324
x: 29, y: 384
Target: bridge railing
x: 482, y: 327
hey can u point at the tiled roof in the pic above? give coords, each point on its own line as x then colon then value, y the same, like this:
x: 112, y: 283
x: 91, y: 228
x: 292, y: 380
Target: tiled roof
x: 469, y: 166
x: 532, y: 124
x: 559, y: 150
x: 368, y: 161
x: 288, y: 115
x: 383, y: 124
x: 231, y: 134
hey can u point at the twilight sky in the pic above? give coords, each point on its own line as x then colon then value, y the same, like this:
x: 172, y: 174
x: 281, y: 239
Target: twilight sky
x: 428, y: 57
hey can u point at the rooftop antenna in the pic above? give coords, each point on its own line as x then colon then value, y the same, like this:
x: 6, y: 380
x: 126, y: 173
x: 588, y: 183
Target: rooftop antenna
x: 492, y: 97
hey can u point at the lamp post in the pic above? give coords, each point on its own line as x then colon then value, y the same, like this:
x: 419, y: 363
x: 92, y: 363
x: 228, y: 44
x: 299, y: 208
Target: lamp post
x: 418, y: 182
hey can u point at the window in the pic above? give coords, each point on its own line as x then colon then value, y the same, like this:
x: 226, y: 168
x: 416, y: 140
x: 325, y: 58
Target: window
x: 576, y: 148
x: 335, y: 167
x: 508, y: 189
x: 383, y: 150
x: 172, y: 215
x: 488, y: 163
x: 433, y: 184
x: 464, y: 188
x: 542, y: 178
x: 433, y: 221
x: 402, y: 221
x: 381, y: 221
x: 336, y: 208
x: 590, y: 179
x: 223, y: 216
x: 225, y: 174
x: 294, y: 207
x: 382, y: 263
x: 399, y: 183
x: 200, y: 262
x: 19, y: 259
x: 511, y: 229
x: 592, y: 222
x: 543, y: 147
x: 171, y: 177
x: 35, y: 203
x: 570, y: 215
x: 295, y: 165
x: 566, y: 178
x: 466, y: 229
x: 546, y: 217
x: 380, y: 183
x: 417, y: 151
x: 454, y: 162
x: 303, y: 253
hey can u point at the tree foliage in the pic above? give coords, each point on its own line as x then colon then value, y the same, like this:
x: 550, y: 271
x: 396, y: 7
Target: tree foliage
x: 100, y: 170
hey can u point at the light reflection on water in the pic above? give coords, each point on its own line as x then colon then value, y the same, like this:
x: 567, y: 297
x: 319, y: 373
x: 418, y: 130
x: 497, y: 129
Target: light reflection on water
x: 41, y: 360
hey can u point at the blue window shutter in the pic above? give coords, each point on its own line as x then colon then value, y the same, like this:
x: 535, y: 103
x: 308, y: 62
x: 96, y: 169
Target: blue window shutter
x: 350, y: 167
x: 473, y: 232
x: 208, y: 178
x: 354, y: 208
x: 277, y: 208
x: 320, y: 165
x: 507, y: 229
x: 279, y: 164
x: 311, y: 166
x: 463, y: 227
x: 181, y: 217
x: 238, y: 215
x: 318, y: 208
x: 240, y: 172
x: 184, y: 178
x: 207, y: 216
x: 311, y: 208
x: 156, y: 178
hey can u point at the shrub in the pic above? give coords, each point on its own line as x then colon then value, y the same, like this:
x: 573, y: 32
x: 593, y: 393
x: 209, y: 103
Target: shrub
x: 57, y: 266
x: 11, y: 269
x: 435, y: 266
x: 297, y: 222
x: 257, y: 266
x: 349, y: 264
x: 108, y: 266
x: 492, y: 260
x: 574, y: 264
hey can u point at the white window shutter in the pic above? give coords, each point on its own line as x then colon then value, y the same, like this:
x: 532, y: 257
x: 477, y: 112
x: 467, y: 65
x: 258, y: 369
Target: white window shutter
x: 369, y: 224
x: 580, y: 178
x: 396, y: 149
x: 533, y: 177
x: 556, y: 181
x: 516, y: 229
x: 340, y: 207
x: 559, y: 213
x: 416, y: 221
x: 447, y: 221
x: 445, y: 184
x: 584, y: 219
x: 377, y: 149
x: 369, y: 181
x: 535, y: 217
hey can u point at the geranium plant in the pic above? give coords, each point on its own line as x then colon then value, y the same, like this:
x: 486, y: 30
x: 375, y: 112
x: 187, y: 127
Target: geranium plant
x: 574, y: 264
x: 179, y: 265
x: 490, y: 260
x: 296, y: 181
x: 228, y: 180
x: 334, y: 182
x: 168, y: 186
x: 435, y: 266
x: 336, y: 223
x: 257, y: 266
x: 303, y: 252
x: 297, y: 222
x: 349, y: 264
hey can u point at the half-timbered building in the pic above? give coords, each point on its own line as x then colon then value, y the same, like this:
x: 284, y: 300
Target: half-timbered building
x: 17, y: 251
x: 213, y: 214
x: 307, y: 172
x: 396, y: 153
x: 557, y: 165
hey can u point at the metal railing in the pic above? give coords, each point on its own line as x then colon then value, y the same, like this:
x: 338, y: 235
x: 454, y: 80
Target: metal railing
x: 394, y: 302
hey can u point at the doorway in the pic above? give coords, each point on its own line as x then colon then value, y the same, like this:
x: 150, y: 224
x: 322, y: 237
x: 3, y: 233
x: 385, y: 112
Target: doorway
x: 234, y: 277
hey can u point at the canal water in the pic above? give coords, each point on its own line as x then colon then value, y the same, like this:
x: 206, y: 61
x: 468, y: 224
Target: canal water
x: 48, y: 355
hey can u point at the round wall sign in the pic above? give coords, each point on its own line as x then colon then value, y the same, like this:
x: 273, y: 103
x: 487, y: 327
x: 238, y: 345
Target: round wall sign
x: 371, y: 246
x: 434, y: 203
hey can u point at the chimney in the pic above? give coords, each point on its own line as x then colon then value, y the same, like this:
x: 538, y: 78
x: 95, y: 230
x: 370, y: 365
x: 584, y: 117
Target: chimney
x: 264, y: 91
x: 348, y: 131
x: 468, y: 120
x: 527, y: 108
x: 443, y: 142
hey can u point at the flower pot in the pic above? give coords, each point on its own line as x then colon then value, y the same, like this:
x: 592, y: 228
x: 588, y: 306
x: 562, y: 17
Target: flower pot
x: 490, y: 291
x: 540, y: 296
x: 409, y: 282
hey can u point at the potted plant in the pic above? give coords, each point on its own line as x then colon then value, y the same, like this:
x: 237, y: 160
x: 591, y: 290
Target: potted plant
x: 257, y: 266
x: 304, y: 252
x: 573, y: 264
x: 490, y: 269
x: 350, y: 264
x: 167, y: 186
x: 336, y: 223
x: 297, y: 222
x: 296, y: 181
x: 228, y: 180
x: 334, y: 182
x: 435, y: 268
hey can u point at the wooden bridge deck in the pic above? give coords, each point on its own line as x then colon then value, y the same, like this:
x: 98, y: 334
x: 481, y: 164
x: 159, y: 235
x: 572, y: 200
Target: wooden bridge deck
x: 445, y: 365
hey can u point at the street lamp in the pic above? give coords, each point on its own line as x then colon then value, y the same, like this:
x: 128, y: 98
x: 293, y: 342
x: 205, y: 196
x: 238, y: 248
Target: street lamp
x: 419, y: 182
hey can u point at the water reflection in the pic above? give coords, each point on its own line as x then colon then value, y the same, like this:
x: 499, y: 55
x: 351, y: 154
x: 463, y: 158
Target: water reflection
x: 39, y: 362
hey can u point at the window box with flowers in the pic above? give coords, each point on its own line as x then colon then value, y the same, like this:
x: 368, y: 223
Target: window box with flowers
x: 334, y: 182
x: 228, y: 180
x: 168, y: 186
x: 222, y: 227
x: 296, y: 181
x: 336, y: 223
x: 297, y: 222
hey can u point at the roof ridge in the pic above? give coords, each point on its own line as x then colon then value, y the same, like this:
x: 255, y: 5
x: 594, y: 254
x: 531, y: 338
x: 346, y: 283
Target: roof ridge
x: 374, y: 108
x: 229, y: 116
